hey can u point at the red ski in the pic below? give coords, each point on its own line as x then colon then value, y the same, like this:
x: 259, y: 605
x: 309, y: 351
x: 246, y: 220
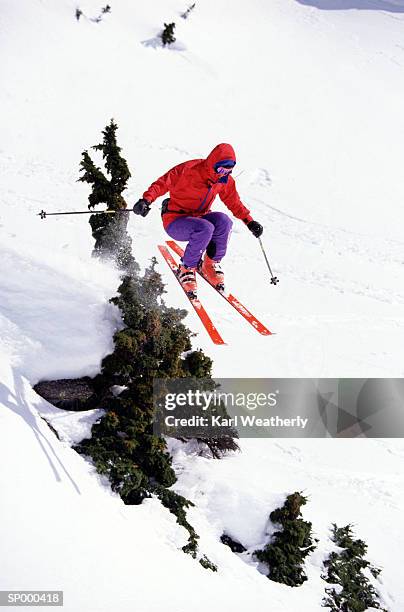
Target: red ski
x: 228, y: 297
x: 199, y: 309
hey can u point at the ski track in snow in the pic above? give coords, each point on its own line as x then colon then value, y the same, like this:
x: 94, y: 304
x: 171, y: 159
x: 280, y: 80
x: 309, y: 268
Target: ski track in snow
x: 339, y: 244
x: 337, y: 262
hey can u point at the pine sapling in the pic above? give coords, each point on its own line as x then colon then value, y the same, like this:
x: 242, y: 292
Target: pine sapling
x: 289, y: 547
x: 152, y: 343
x: 109, y: 231
x: 345, y: 568
x: 186, y: 14
x: 167, y: 35
x: 123, y: 445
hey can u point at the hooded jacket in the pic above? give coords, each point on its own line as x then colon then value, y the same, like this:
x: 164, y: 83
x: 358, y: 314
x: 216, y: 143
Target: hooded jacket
x: 193, y: 186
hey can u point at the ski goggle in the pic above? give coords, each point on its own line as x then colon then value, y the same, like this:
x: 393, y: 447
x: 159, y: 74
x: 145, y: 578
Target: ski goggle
x: 224, y: 168
x: 224, y: 171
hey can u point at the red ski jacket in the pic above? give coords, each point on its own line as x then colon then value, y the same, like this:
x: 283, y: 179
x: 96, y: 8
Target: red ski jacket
x: 193, y: 185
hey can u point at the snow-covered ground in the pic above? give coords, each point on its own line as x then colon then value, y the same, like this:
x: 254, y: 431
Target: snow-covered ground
x: 61, y: 530
x: 314, y: 112
x: 311, y: 100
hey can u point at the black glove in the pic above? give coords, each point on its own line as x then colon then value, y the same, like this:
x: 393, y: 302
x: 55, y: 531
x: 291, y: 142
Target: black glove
x: 255, y: 228
x: 142, y: 207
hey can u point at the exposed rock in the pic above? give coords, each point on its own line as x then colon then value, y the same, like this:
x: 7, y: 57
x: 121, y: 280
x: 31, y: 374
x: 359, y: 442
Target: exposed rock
x: 235, y: 546
x: 69, y: 394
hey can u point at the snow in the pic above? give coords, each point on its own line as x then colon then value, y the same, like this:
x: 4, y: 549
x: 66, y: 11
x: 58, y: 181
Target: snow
x: 395, y: 6
x: 311, y: 100
x: 68, y: 335
x: 322, y: 89
x: 338, y: 480
x: 75, y: 535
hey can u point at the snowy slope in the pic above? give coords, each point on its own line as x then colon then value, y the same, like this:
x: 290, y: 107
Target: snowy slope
x: 313, y: 110
x: 311, y: 100
x: 72, y: 532
x: 61, y: 530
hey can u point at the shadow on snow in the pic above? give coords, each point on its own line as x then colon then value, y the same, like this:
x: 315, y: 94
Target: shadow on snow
x: 367, y: 5
x: 18, y: 404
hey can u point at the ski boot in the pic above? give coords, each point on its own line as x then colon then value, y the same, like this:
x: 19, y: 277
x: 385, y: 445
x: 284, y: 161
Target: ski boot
x: 186, y: 277
x: 212, y: 271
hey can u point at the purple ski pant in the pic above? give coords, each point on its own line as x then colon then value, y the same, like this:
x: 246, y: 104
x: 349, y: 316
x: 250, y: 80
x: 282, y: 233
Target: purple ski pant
x: 210, y: 232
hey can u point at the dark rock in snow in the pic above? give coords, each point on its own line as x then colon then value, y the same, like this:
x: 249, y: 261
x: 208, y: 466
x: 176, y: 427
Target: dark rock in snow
x: 235, y: 546
x: 69, y: 394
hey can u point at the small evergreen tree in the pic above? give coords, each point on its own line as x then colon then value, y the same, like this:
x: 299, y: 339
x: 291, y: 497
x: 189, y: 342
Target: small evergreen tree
x: 167, y: 35
x: 286, y: 553
x: 106, y: 9
x: 123, y: 446
x: 78, y: 13
x: 154, y: 343
x: 109, y: 231
x: 345, y: 569
x: 186, y: 13
x: 104, y: 190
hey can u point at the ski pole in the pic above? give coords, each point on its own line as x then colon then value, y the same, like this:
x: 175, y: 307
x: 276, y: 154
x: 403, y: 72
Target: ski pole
x: 44, y: 214
x: 274, y: 279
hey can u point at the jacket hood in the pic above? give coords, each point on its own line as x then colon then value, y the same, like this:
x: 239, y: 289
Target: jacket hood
x: 221, y: 152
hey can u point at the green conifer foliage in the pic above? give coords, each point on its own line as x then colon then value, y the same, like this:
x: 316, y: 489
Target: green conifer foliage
x: 189, y: 10
x: 104, y: 190
x: 207, y: 564
x: 198, y: 363
x: 345, y: 569
x: 123, y: 446
x: 286, y: 553
x: 153, y: 343
x: 167, y: 35
x: 115, y: 165
x: 109, y: 231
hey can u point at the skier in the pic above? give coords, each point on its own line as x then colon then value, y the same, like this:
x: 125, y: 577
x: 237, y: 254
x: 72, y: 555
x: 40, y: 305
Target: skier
x: 193, y: 186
